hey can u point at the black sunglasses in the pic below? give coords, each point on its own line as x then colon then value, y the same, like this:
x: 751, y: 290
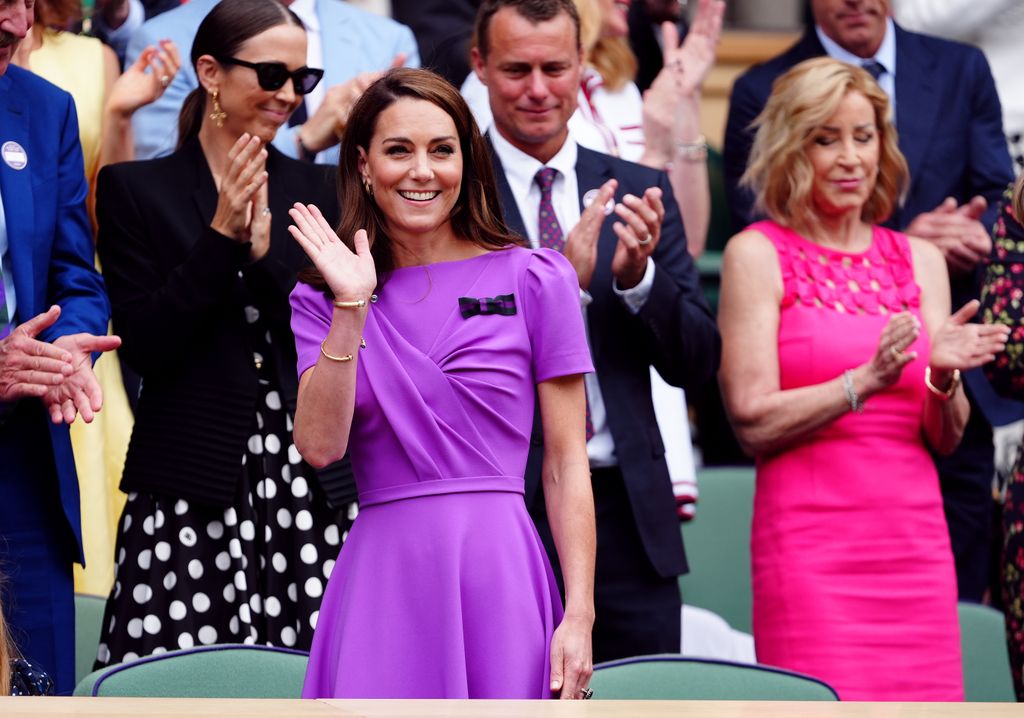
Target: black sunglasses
x: 273, y: 75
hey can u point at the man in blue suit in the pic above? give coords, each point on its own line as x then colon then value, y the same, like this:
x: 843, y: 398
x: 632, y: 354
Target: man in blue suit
x: 351, y: 45
x: 950, y: 130
x: 53, y: 313
x: 640, y: 293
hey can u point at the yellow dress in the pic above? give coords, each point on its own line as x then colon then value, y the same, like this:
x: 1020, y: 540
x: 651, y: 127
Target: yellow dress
x: 75, y: 63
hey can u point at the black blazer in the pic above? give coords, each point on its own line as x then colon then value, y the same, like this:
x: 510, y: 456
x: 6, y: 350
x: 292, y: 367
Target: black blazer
x: 178, y: 290
x: 674, y: 331
x: 947, y: 114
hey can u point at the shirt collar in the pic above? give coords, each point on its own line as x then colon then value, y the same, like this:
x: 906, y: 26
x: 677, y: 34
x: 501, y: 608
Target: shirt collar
x: 886, y: 54
x: 520, y: 168
x: 306, y: 10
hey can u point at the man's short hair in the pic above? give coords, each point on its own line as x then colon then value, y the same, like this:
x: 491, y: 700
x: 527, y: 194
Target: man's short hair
x: 536, y: 11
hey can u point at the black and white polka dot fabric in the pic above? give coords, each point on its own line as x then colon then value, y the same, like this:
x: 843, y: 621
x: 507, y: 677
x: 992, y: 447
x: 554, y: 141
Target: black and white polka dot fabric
x: 189, y: 574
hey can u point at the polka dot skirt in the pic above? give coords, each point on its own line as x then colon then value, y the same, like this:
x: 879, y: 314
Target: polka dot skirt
x: 189, y: 574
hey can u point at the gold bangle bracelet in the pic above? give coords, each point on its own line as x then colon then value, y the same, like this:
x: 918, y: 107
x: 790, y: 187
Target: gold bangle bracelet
x: 357, y: 304
x: 341, y: 359
x: 946, y: 395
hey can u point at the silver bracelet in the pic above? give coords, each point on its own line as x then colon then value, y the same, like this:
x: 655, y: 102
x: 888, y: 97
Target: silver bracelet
x: 693, y: 151
x: 851, y: 394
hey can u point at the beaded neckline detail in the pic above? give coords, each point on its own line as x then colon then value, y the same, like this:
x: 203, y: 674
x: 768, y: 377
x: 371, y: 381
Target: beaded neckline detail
x: 879, y: 280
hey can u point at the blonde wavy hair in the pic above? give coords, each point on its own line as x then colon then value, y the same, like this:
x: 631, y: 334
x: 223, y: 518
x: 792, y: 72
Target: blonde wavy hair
x: 612, y: 57
x: 779, y: 171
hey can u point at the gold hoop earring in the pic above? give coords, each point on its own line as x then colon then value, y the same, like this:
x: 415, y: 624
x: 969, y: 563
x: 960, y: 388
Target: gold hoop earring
x: 218, y: 115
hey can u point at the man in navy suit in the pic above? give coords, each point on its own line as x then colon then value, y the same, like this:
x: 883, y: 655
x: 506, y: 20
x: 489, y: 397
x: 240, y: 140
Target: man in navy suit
x: 950, y: 130
x: 53, y: 315
x: 639, y: 290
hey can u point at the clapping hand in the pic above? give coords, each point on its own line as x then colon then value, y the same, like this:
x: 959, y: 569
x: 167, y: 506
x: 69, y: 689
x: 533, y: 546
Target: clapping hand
x: 350, y: 275
x: 956, y: 231
x: 638, y: 233
x: 328, y: 123
x: 891, y: 356
x: 959, y: 345
x: 80, y: 392
x: 240, y: 187
x: 581, y: 242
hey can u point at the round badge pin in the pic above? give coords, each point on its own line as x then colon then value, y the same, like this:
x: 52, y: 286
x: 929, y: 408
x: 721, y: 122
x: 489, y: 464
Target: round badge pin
x: 14, y: 155
x: 591, y: 194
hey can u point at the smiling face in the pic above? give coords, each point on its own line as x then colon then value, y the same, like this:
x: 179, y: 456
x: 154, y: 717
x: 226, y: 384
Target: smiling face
x: 856, y: 25
x: 249, y: 107
x: 532, y: 74
x: 414, y: 165
x: 844, y: 154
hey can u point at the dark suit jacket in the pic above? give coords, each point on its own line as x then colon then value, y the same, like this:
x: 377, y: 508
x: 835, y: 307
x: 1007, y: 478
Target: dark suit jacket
x: 49, y: 241
x: 947, y: 114
x: 674, y: 331
x: 443, y: 30
x: 178, y: 290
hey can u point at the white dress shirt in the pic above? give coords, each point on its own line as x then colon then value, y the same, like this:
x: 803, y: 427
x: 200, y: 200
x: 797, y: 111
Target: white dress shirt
x: 520, y: 170
x: 886, y: 56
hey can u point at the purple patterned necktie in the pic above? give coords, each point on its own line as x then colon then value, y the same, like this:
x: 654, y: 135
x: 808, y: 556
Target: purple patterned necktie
x: 549, y: 232
x: 549, y: 235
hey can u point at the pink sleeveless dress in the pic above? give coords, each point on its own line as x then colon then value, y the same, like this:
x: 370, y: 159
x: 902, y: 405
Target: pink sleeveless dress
x: 853, y: 577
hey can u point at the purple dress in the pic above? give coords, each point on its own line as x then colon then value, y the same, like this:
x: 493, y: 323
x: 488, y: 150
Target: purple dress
x: 443, y: 589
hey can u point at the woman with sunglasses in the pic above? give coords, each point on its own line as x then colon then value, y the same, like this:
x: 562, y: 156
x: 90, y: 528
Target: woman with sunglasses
x: 227, y: 535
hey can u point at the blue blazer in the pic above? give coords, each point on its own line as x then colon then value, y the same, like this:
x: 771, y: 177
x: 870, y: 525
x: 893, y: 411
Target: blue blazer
x: 947, y: 114
x: 353, y: 41
x: 49, y: 238
x: 674, y: 331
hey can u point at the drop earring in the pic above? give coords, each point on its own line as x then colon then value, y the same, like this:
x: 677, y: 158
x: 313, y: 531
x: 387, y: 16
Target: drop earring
x: 368, y: 187
x: 218, y: 115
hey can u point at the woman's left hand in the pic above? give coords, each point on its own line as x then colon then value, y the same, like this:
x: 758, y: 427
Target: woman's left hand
x: 145, y: 80
x: 691, y: 62
x: 572, y: 661
x: 959, y: 345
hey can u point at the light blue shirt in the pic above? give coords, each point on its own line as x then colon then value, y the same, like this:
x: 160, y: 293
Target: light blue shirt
x: 5, y: 265
x: 886, y: 56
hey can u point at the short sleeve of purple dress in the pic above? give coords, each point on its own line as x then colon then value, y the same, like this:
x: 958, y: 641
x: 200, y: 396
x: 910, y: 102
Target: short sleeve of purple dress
x: 443, y: 589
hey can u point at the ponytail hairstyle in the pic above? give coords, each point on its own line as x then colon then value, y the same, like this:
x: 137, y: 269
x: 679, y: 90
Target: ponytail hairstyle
x: 228, y: 26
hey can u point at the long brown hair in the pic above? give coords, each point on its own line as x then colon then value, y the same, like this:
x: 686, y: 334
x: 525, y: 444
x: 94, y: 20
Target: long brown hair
x: 476, y: 216
x: 228, y: 26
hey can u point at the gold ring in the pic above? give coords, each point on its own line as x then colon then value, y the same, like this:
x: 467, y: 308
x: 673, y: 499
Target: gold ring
x: 896, y: 353
x: 165, y: 80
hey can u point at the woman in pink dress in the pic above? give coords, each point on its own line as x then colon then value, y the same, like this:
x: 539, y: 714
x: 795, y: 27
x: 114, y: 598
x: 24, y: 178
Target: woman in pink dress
x: 841, y: 372
x: 422, y: 340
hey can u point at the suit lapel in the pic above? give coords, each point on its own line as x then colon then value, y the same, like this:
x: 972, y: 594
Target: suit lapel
x: 917, y: 100
x: 509, y: 206
x: 16, y: 189
x: 193, y: 165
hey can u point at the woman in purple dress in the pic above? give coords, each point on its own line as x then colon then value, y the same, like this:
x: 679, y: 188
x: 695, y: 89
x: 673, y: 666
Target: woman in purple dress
x: 422, y: 339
